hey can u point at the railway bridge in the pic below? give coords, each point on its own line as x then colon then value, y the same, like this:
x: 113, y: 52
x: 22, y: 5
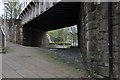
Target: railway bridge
x: 98, y: 30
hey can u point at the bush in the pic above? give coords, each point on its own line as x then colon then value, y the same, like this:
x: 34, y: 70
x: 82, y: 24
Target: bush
x: 73, y: 46
x: 60, y: 43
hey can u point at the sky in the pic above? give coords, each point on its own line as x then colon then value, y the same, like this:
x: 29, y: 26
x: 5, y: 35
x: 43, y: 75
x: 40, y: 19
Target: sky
x: 1, y: 8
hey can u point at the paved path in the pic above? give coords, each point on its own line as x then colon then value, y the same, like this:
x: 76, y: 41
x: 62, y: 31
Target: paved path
x: 28, y: 62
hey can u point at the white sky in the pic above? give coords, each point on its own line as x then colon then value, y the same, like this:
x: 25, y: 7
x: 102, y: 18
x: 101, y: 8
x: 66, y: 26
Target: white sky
x: 1, y: 8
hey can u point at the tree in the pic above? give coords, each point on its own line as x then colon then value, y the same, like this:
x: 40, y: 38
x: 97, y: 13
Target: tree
x: 65, y: 35
x: 12, y: 9
x: 56, y: 35
x: 73, y: 31
x: 59, y: 35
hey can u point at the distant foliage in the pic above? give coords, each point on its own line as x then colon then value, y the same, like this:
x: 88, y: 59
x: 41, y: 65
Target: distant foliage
x: 12, y: 9
x: 68, y: 34
x: 60, y: 43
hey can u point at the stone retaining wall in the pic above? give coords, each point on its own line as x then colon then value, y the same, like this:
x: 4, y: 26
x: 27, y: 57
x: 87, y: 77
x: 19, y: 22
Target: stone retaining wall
x: 94, y: 38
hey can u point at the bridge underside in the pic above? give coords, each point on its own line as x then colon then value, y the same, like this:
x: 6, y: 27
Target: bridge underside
x: 63, y: 14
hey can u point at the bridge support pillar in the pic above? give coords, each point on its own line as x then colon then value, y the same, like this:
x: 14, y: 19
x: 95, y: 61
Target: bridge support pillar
x: 93, y: 38
x: 34, y: 37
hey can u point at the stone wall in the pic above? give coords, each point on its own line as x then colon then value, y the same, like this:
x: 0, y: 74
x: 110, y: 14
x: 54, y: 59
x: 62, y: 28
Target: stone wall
x: 116, y: 39
x: 94, y: 38
x: 18, y: 34
x: 14, y: 31
x: 34, y: 37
